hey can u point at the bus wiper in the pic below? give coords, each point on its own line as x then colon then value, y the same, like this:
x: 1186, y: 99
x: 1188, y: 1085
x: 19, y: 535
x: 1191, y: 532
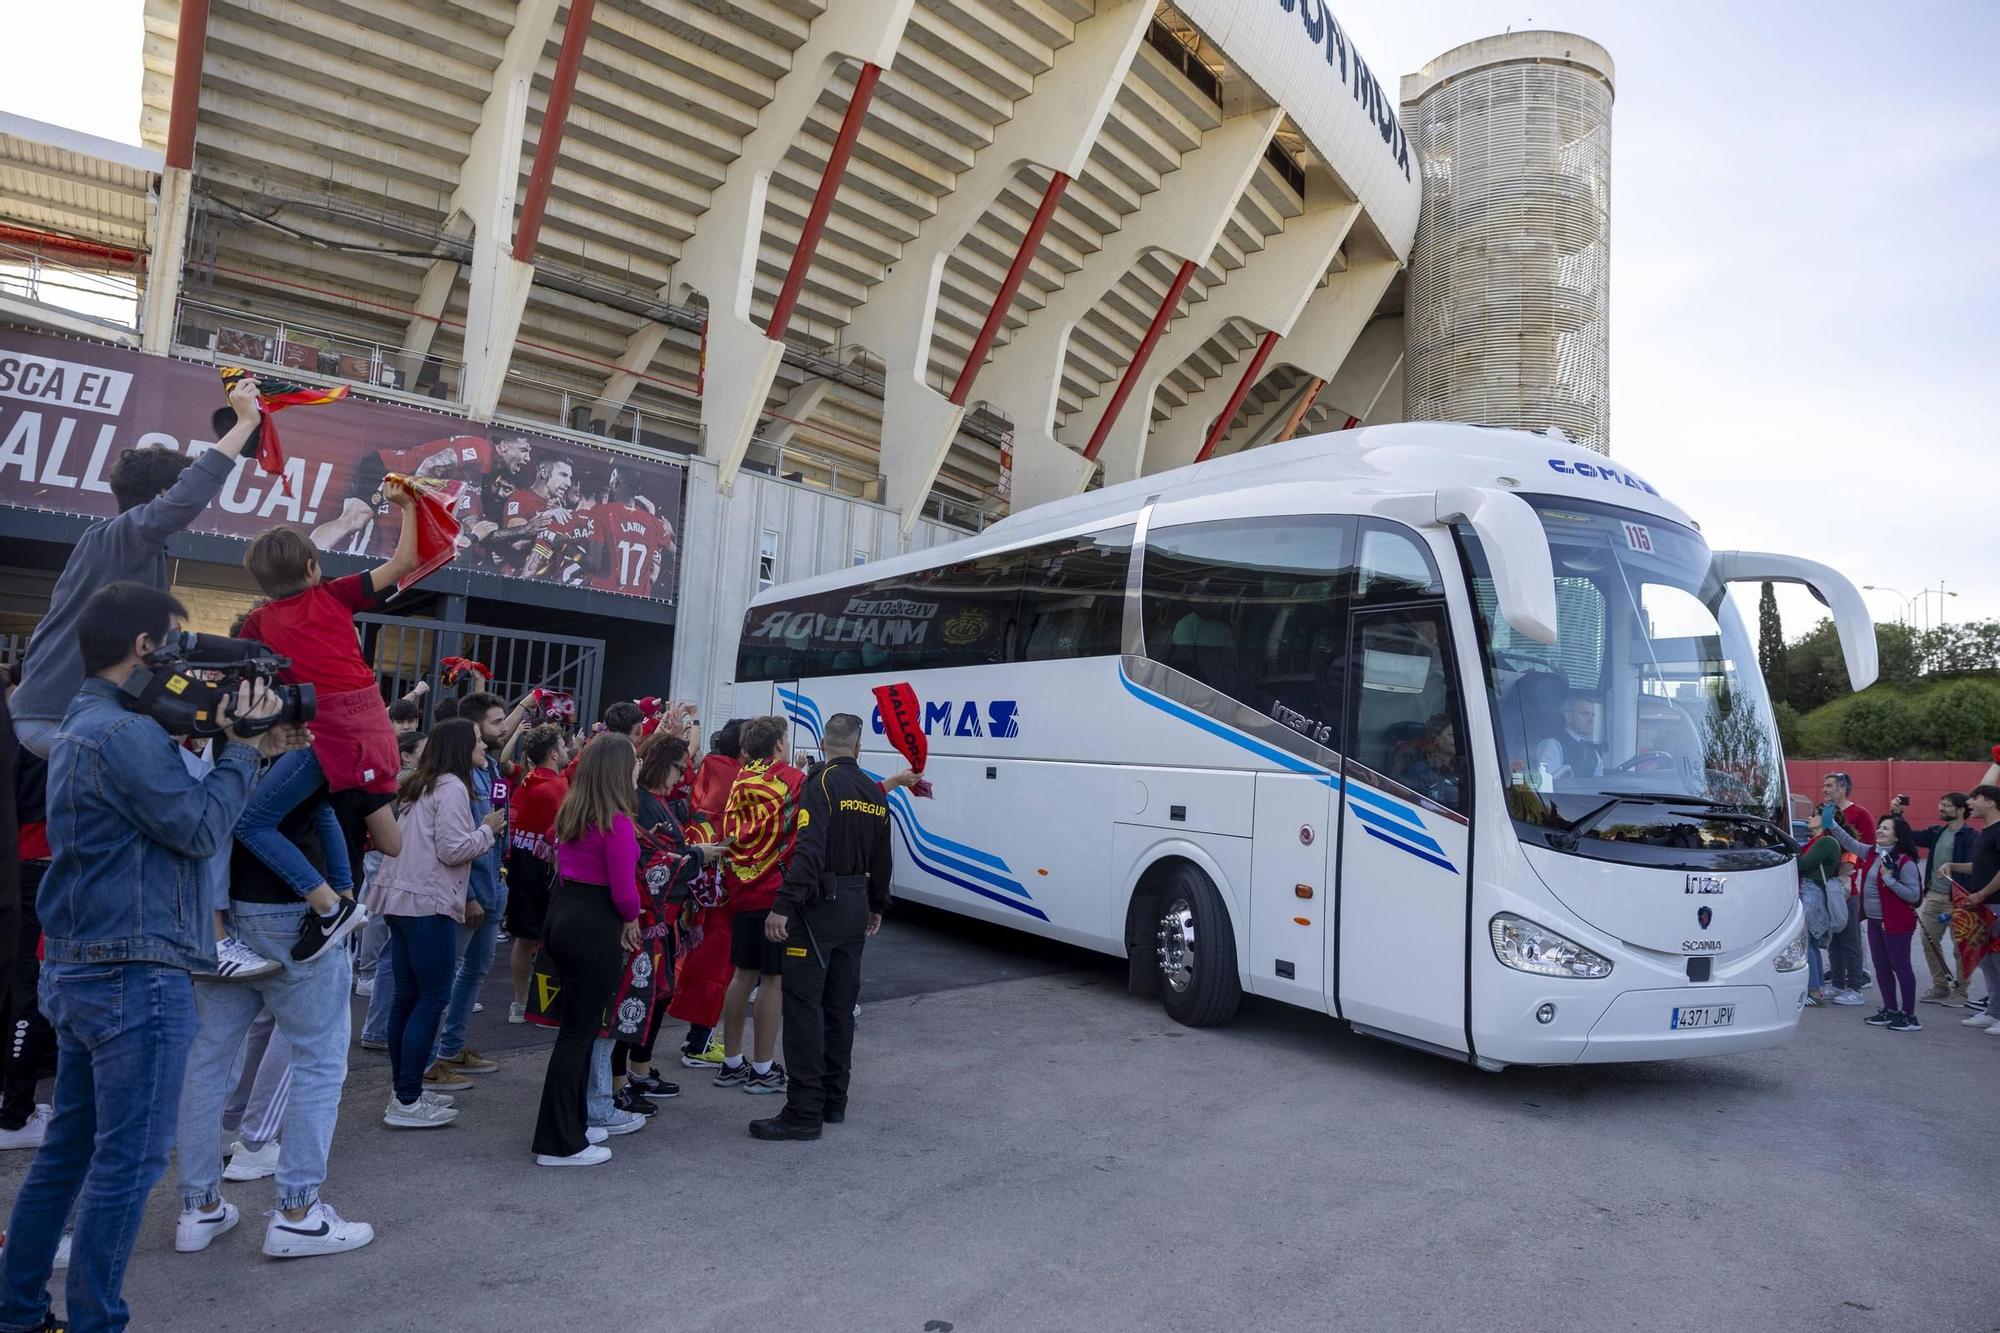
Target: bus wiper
x: 1567, y: 839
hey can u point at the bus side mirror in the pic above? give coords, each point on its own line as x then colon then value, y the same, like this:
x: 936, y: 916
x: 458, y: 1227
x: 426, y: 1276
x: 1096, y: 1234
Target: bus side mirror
x: 1850, y: 614
x: 1517, y: 552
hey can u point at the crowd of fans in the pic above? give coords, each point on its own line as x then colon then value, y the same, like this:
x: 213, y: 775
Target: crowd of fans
x: 217, y: 887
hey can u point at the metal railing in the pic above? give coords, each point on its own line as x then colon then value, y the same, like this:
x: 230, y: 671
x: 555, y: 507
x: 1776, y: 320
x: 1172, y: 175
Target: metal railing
x: 99, y: 291
x: 239, y: 336
x: 405, y: 651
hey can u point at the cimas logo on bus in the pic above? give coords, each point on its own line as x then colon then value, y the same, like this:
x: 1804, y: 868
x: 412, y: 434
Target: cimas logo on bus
x: 999, y: 719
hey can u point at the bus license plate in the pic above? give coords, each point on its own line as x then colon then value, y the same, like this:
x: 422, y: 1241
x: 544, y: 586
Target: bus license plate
x: 1712, y: 1016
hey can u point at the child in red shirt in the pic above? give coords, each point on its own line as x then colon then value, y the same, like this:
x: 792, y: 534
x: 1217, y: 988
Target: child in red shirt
x: 311, y: 621
x: 531, y: 855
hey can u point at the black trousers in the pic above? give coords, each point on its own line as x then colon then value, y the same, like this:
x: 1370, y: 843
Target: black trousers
x: 28, y: 1043
x: 820, y: 994
x: 581, y: 938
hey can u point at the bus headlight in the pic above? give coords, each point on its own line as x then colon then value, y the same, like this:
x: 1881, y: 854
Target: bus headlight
x: 1793, y: 956
x: 1527, y: 947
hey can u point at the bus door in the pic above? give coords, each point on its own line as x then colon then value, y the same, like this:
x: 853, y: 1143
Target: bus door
x: 1400, y: 920
x: 788, y: 702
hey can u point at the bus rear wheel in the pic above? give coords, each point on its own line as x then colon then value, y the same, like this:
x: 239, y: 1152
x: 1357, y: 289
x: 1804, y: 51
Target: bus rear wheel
x: 1194, y: 951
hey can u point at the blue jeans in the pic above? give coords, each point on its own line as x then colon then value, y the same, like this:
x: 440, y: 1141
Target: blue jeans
x: 475, y: 949
x: 599, y: 1107
x: 309, y: 1003
x: 1815, y: 971
x: 287, y: 784
x: 421, y: 949
x: 375, y: 1025
x: 123, y: 1032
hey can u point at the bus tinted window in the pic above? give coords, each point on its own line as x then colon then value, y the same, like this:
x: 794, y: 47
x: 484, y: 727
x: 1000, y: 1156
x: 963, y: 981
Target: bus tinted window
x: 1058, y: 599
x: 1392, y: 566
x: 1073, y: 597
x: 1250, y: 608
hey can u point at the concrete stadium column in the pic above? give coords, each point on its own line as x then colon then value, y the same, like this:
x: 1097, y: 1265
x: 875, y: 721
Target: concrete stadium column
x: 482, y: 207
x: 1054, y: 127
x: 166, y: 254
x: 805, y: 397
x: 720, y: 260
x: 1389, y: 404
x: 1183, y: 218
x: 1268, y: 292
x: 1361, y: 383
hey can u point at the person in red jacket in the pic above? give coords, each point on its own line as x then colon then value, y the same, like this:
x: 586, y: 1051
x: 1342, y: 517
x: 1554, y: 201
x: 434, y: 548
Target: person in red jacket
x: 759, y: 831
x: 703, y: 976
x: 531, y: 855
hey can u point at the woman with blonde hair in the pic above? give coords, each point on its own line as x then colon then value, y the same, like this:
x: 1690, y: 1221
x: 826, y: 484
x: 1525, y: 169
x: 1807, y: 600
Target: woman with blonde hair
x: 592, y: 923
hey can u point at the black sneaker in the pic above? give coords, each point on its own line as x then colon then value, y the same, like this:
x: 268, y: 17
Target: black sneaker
x: 1881, y: 1018
x: 320, y: 933
x: 781, y: 1127
x: 659, y: 1089
x: 1905, y: 1023
x: 727, y: 1077
x: 771, y: 1080
x: 629, y: 1098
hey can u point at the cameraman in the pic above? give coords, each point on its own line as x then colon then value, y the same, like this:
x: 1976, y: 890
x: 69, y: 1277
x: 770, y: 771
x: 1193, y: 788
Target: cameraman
x: 125, y: 917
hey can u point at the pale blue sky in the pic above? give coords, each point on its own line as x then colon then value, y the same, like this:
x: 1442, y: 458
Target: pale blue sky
x: 1804, y: 258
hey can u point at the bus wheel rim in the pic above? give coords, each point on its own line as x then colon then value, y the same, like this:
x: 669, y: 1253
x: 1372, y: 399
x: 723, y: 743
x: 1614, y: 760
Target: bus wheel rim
x: 1174, y: 945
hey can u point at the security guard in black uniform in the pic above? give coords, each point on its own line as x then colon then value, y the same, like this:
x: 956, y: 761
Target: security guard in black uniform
x: 834, y: 894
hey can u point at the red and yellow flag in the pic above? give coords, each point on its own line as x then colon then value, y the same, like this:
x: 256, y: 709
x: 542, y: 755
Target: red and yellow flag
x: 276, y: 396
x: 757, y: 824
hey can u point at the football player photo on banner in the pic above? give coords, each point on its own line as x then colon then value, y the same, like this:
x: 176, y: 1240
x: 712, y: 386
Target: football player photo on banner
x: 531, y: 507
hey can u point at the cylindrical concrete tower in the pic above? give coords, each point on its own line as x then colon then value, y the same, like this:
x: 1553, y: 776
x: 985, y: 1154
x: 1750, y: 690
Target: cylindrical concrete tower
x: 1509, y: 283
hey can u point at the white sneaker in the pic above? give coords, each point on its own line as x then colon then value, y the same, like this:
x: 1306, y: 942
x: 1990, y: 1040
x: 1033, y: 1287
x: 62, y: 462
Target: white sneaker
x: 321, y: 1231
x: 596, y: 1135
x: 622, y: 1122
x: 1976, y: 1021
x: 419, y: 1114
x: 237, y: 961
x: 478, y: 1008
x: 365, y: 987
x: 590, y: 1155
x: 1994, y: 1030
x: 31, y: 1134
x: 247, y: 1165
x: 1849, y: 997
x: 436, y: 1098
x: 517, y: 1013
x: 196, y: 1229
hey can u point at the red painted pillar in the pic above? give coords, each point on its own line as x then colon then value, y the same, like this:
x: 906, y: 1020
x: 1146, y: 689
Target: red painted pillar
x: 829, y: 186
x: 1009, y: 286
x: 1250, y: 374
x: 189, y: 42
x: 555, y: 116
x: 1139, y: 358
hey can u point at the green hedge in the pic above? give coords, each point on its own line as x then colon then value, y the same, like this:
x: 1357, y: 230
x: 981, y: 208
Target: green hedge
x: 1932, y: 718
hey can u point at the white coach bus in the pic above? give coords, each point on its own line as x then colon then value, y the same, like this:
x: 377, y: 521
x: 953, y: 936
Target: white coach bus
x: 1449, y: 732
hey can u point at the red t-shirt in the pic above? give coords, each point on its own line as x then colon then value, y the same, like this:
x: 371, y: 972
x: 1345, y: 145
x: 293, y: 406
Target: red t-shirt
x: 536, y: 801
x: 438, y: 457
x: 636, y: 538
x: 522, y: 506
x: 315, y: 628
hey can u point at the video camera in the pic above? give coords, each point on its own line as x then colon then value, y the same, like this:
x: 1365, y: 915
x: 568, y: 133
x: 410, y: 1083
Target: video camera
x: 189, y: 682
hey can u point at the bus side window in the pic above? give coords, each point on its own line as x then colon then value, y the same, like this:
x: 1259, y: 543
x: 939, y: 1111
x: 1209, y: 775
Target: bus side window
x: 1404, y: 723
x: 1072, y: 597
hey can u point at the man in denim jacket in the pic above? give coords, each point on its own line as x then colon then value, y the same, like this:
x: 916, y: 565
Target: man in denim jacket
x: 125, y: 916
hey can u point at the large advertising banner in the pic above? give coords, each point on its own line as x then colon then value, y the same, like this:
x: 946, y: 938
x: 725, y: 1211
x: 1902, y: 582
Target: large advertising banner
x: 533, y: 507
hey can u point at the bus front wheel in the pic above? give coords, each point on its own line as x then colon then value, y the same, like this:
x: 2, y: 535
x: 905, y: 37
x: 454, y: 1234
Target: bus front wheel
x: 1194, y: 951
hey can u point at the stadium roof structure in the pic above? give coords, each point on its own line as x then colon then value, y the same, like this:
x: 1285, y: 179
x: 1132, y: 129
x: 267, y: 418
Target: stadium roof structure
x: 864, y: 243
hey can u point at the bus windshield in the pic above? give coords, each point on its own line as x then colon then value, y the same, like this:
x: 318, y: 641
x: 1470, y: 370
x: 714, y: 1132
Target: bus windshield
x: 1644, y: 732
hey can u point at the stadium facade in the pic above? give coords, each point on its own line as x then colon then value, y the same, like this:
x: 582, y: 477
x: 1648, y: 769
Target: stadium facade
x: 737, y: 290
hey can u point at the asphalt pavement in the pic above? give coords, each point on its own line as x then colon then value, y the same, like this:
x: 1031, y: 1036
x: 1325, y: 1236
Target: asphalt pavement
x: 1030, y: 1148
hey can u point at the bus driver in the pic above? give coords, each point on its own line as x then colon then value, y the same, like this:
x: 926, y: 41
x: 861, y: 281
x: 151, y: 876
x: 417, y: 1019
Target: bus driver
x: 1573, y: 754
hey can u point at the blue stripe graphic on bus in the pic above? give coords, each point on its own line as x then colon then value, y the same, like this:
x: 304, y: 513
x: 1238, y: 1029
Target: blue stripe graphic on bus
x: 1381, y: 816
x: 801, y: 710
x: 955, y: 863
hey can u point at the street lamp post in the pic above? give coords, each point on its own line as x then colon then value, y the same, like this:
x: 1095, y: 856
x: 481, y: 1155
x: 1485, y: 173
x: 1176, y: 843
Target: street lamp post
x: 1902, y: 612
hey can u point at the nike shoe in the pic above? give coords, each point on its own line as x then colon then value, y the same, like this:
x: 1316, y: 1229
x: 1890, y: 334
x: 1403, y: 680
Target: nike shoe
x: 247, y: 1165
x: 319, y: 933
x: 630, y: 1099
x: 196, y: 1229
x: 237, y: 961
x: 320, y: 1231
x: 770, y: 1081
x: 1906, y: 1023
x: 709, y: 1057
x: 652, y: 1085
x: 1881, y: 1018
x: 32, y: 1131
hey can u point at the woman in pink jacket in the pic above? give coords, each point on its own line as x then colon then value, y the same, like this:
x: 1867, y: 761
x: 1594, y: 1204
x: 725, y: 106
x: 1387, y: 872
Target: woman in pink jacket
x: 421, y: 894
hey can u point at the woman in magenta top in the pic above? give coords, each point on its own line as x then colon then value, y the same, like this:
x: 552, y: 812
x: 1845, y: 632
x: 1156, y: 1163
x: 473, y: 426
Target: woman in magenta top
x: 592, y: 922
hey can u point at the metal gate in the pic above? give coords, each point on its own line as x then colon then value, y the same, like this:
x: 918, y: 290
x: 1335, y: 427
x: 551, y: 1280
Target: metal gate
x: 406, y: 650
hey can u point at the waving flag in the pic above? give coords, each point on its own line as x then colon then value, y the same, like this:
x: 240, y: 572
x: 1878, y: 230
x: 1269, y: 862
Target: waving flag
x: 454, y: 667
x: 1973, y: 929
x: 436, y: 517
x: 274, y: 396
x: 757, y: 824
